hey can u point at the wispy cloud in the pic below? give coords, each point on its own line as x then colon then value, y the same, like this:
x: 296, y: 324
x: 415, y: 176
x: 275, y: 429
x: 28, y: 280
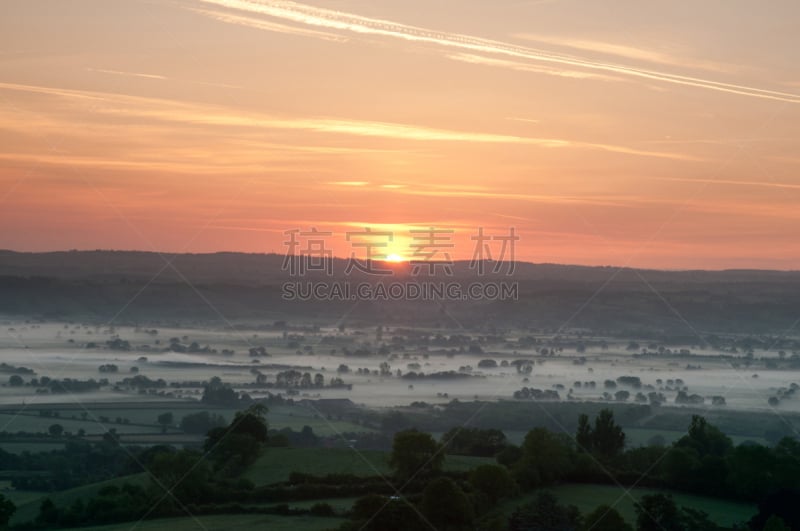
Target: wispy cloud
x: 486, y: 193
x: 520, y: 119
x: 403, y: 229
x: 164, y: 110
x: 185, y: 164
x: 731, y: 182
x: 158, y: 77
x: 626, y: 52
x: 336, y: 20
x: 127, y: 74
x: 515, y: 218
x: 725, y: 141
x: 349, y: 183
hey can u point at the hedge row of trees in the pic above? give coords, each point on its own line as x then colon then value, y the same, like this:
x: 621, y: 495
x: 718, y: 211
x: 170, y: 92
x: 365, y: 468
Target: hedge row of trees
x: 421, y: 495
x: 703, y: 461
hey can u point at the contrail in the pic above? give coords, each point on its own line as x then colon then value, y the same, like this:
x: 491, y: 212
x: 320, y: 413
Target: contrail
x: 337, y: 20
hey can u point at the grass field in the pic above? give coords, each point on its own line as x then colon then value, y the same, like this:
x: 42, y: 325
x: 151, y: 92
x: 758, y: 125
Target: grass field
x: 341, y: 505
x: 32, y: 447
x: 587, y: 497
x: 295, y: 417
x: 276, y: 464
x: 35, y: 423
x: 229, y: 522
x: 463, y: 463
x: 143, y: 419
x: 20, y: 497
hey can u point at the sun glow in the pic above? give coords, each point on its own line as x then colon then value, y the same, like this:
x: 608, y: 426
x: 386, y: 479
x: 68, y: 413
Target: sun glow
x: 394, y: 257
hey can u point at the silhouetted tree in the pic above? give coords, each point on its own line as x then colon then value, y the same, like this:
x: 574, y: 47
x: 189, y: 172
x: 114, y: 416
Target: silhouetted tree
x: 494, y: 481
x: 544, y: 513
x: 378, y: 513
x: 605, y: 518
x: 608, y: 439
x: 546, y: 458
x: 781, y: 503
x: 583, y: 437
x: 657, y: 512
x: 446, y: 506
x: 415, y: 453
x: 7, y: 509
x: 165, y: 419
x: 239, y: 444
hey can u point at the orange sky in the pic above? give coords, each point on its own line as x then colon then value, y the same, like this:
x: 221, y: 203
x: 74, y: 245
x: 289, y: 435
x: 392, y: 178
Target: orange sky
x: 658, y: 134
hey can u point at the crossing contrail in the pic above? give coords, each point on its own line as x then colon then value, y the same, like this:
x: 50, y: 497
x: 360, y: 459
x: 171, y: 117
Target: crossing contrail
x: 317, y: 17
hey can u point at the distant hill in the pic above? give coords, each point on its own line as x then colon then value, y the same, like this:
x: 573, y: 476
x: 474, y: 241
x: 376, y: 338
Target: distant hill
x: 251, y: 268
x: 133, y: 286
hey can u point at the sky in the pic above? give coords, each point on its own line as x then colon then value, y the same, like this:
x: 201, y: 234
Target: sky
x: 660, y: 134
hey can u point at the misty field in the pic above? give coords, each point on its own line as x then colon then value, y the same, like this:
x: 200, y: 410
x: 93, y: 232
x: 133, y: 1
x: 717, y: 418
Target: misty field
x: 335, y: 391
x: 185, y: 357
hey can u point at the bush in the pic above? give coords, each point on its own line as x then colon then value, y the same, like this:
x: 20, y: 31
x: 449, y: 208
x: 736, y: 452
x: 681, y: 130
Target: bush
x: 322, y: 509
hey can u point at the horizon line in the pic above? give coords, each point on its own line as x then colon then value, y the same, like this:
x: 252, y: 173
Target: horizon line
x: 457, y: 261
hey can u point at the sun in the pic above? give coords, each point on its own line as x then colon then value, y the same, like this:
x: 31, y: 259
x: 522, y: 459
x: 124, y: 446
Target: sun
x: 394, y: 257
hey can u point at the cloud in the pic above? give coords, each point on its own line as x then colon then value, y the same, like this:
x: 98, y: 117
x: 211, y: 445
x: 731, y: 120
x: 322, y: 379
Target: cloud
x: 185, y: 164
x: 128, y: 74
x: 349, y: 183
x: 520, y: 119
x: 159, y: 77
x: 164, y: 110
x: 346, y: 22
x: 486, y: 193
x: 527, y: 67
x: 626, y: 52
x: 761, y: 184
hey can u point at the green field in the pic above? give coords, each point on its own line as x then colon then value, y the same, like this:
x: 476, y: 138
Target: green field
x: 20, y: 497
x: 276, y: 464
x: 295, y: 417
x: 463, y: 463
x: 143, y: 419
x: 587, y: 497
x: 33, y: 423
x: 32, y: 447
x: 340, y: 505
x: 229, y: 522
